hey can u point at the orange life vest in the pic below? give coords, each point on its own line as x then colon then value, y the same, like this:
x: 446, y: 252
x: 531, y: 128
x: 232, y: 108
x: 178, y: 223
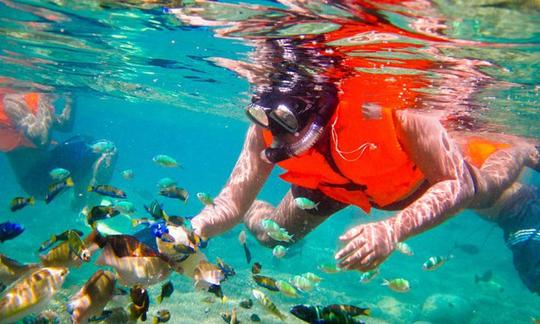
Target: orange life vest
x: 10, y: 136
x: 364, y: 163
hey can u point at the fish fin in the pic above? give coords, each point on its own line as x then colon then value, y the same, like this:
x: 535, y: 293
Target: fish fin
x: 31, y: 200
x: 165, y: 216
x: 90, y: 188
x: 134, y: 223
x: 69, y: 182
x: 159, y: 299
x: 155, y: 320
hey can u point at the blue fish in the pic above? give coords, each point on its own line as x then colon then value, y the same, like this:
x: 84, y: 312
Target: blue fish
x: 10, y: 231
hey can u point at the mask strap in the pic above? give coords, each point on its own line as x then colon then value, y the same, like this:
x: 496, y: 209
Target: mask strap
x: 360, y: 149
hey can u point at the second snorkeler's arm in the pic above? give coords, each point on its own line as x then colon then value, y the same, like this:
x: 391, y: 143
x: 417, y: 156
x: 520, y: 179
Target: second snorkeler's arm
x: 64, y: 121
x: 434, y: 152
x: 234, y: 200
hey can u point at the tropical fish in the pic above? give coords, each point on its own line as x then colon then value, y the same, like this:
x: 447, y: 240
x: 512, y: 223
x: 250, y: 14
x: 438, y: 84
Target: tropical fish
x: 279, y: 251
x: 91, y: 299
x: 176, y: 220
x: 140, y: 303
x: 397, y: 285
x: 228, y: 271
x: 256, y: 268
x: 302, y: 283
x: 175, y: 192
x: 9, y: 231
x: 57, y: 238
x: 404, y: 248
x: 205, y: 199
x: 156, y: 210
x: 305, y: 203
x: 267, y: 304
x: 106, y: 314
x: 166, y: 291
x: 98, y: 213
x: 246, y: 303
x: 57, y: 187
x: 11, y: 270
x: 367, y: 276
x: 19, y: 203
x: 207, y: 274
x: 166, y: 183
x: 350, y: 309
x: 31, y: 293
x: 323, y: 315
x: 329, y: 268
x: 243, y: 240
x: 127, y: 174
x: 59, y: 174
x: 103, y: 146
x: 62, y: 255
x: 125, y: 207
x: 270, y: 225
x: 165, y: 161
x: 312, y: 277
x: 266, y: 282
x: 134, y: 261
x: 107, y: 190
x: 535, y: 320
x: 163, y: 316
x: 282, y: 236
x: 485, y: 277
x: 286, y: 288
x: 435, y: 262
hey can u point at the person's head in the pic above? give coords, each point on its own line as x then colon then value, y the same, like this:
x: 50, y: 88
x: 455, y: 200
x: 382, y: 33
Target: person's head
x: 296, y: 117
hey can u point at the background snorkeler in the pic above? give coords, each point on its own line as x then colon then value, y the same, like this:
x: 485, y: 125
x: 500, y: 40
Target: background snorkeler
x: 27, y: 120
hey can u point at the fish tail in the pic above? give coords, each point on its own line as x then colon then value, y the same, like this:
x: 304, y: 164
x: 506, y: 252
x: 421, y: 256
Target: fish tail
x: 385, y: 282
x: 90, y: 188
x: 31, y: 200
x: 155, y: 320
x: 367, y: 312
x: 134, y: 223
x: 69, y: 182
x: 165, y: 216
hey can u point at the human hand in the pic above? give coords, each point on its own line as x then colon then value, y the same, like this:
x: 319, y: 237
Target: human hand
x: 367, y: 246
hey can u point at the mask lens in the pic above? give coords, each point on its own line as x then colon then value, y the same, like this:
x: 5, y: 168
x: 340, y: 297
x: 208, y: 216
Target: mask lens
x: 286, y: 118
x: 257, y: 114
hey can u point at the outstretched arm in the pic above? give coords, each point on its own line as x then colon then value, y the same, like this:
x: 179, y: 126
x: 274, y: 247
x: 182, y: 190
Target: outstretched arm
x: 234, y: 200
x: 453, y: 188
x: 64, y: 121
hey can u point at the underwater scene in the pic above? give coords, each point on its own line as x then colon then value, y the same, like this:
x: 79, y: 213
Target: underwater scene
x: 354, y: 161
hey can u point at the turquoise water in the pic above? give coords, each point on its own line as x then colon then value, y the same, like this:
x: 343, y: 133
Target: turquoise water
x: 192, y: 110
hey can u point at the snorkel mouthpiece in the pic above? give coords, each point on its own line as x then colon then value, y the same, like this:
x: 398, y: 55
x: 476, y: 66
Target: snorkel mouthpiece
x: 328, y: 103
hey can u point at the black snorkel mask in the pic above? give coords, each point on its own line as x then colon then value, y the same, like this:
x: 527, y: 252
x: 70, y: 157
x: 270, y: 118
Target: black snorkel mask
x: 284, y: 113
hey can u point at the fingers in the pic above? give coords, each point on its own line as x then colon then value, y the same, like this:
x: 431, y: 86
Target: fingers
x: 354, y: 245
x: 352, y: 233
x: 356, y: 259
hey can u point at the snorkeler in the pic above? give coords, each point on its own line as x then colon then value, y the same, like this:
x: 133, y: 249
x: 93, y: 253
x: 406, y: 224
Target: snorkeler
x: 26, y: 122
x: 353, y: 142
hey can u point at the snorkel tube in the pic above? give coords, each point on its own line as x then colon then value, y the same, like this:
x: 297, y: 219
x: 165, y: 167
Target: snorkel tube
x: 327, y: 103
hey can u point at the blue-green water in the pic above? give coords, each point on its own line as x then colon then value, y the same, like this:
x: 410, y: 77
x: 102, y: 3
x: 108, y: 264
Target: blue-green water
x: 192, y: 110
